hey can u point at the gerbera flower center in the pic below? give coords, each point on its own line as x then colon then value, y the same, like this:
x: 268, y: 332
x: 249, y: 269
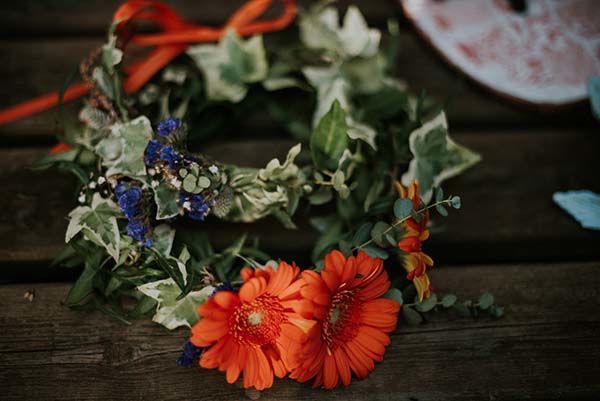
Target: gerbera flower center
x: 343, y: 319
x: 258, y: 322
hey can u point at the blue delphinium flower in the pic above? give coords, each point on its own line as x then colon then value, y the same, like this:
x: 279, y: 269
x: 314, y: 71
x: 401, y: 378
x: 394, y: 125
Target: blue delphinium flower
x: 189, y: 354
x: 137, y: 229
x: 169, y: 155
x: 195, y: 205
x: 166, y: 127
x: 152, y: 151
x: 120, y: 189
x: 129, y: 200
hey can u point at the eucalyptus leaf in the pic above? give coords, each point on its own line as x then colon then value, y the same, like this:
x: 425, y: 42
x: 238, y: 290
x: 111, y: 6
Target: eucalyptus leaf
x: 427, y: 304
x: 395, y: 294
x: 403, y: 208
x: 375, y: 252
x: 362, y: 235
x: 412, y: 317
x: 486, y: 300
x: 448, y: 300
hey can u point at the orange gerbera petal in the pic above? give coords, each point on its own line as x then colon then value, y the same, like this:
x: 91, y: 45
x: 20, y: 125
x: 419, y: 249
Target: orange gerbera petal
x: 255, y: 331
x: 352, y: 332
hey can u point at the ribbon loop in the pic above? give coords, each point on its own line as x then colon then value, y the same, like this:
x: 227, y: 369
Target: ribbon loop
x: 176, y: 35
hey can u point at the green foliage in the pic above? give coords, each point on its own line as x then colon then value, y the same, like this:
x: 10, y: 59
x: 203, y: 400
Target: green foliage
x: 403, y: 208
x: 436, y: 156
x: 172, y: 309
x: 329, y: 139
x: 98, y: 223
x: 122, y: 151
x: 230, y: 65
x: 166, y: 198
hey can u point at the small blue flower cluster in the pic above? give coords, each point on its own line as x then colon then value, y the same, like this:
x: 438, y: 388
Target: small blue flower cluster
x: 128, y: 198
x: 189, y: 354
x: 168, y: 126
x: 197, y: 208
x: 156, y: 151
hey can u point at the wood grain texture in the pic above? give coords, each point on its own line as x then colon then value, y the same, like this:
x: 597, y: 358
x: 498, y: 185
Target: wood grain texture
x: 34, y: 67
x: 546, y: 347
x: 507, y: 214
x: 35, y: 18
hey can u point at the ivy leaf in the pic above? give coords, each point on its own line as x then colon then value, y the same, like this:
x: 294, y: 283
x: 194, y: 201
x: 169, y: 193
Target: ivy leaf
x: 329, y: 139
x: 403, y: 208
x: 230, y: 65
x: 436, y: 156
x: 172, y: 312
x: 122, y: 151
x: 166, y: 198
x: 224, y: 265
x: 85, y: 283
x: 174, y: 267
x: 98, y: 223
x: 162, y: 238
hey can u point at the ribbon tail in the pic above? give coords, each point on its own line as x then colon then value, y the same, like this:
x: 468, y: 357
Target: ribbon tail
x: 41, y: 103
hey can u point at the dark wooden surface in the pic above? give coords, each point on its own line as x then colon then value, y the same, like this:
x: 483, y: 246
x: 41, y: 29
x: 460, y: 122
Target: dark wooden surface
x: 509, y: 239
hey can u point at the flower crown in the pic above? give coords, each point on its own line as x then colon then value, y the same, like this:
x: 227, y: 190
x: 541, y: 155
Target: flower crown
x: 367, y: 147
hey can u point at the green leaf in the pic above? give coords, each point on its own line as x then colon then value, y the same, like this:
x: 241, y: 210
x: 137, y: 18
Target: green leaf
x: 395, y: 294
x: 375, y: 252
x: 462, y: 309
x: 230, y: 65
x: 439, y: 194
x: 224, y: 265
x: 122, y: 151
x: 448, y: 300
x: 497, y: 311
x: 171, y: 311
x: 98, y: 223
x: 441, y: 210
x: 162, y: 238
x: 329, y: 139
x: 84, y: 284
x: 327, y: 240
x: 436, y: 156
x: 321, y: 196
x: 166, y: 198
x: 412, y: 317
x: 377, y: 233
x: 175, y: 268
x: 455, y: 202
x: 427, y: 304
x: 402, y: 208
x: 362, y: 235
x: 486, y: 300
x: 345, y: 248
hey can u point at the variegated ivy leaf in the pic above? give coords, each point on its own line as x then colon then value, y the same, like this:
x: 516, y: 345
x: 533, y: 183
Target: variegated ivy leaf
x: 166, y: 198
x: 111, y: 56
x: 320, y: 29
x: 275, y: 171
x: 230, y: 65
x: 98, y: 223
x: 436, y: 156
x: 122, y: 151
x: 170, y: 311
x: 332, y: 86
x: 162, y: 238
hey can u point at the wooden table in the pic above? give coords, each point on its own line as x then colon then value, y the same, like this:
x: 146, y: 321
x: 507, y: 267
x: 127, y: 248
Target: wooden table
x: 509, y: 239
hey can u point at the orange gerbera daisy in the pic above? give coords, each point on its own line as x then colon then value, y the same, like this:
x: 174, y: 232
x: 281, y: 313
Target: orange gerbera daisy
x: 416, y: 261
x: 352, y: 319
x: 254, y: 331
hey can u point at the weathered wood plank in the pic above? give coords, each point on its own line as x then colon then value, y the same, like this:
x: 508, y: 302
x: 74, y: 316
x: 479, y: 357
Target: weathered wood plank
x: 546, y: 347
x: 35, y: 67
x: 70, y: 17
x: 507, y: 215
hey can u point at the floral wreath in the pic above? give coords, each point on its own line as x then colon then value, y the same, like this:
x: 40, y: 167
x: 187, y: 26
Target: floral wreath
x: 366, y: 146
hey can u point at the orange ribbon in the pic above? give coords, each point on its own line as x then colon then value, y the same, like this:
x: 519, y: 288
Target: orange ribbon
x: 177, y: 34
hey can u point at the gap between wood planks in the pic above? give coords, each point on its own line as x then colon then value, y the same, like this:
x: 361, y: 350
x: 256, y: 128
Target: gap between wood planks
x: 545, y: 347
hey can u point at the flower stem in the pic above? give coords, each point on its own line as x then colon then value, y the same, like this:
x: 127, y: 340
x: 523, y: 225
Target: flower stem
x: 400, y: 221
